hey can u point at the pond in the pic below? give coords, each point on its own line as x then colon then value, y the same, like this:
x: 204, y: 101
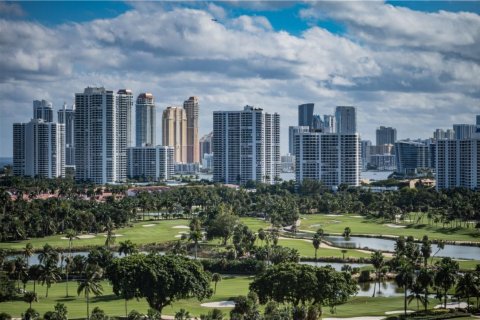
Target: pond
x: 335, y: 265
x: 453, y: 251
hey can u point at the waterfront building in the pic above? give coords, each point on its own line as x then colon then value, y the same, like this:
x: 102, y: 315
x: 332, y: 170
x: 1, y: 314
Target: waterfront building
x: 150, y: 163
x: 174, y: 132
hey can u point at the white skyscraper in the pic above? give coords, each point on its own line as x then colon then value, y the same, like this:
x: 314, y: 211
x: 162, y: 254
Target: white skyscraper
x: 346, y: 120
x: 42, y: 109
x: 150, y: 163
x: 145, y: 120
x: 67, y: 117
x: 96, y: 137
x: 246, y: 146
x: 125, y: 105
x: 39, y: 149
x: 457, y: 163
x: 331, y: 158
x: 292, y: 130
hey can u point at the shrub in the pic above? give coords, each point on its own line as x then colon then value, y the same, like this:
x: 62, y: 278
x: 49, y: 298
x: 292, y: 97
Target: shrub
x: 364, y: 276
x: 30, y: 314
x: 98, y: 314
x: 5, y: 316
x: 135, y: 315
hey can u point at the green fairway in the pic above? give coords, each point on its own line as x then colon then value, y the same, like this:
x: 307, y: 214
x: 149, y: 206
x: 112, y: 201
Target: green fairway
x: 228, y: 288
x: 140, y: 233
x: 360, y: 225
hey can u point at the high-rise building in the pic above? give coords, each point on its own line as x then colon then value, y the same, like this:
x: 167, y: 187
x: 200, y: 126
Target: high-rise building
x: 305, y: 114
x: 464, y: 131
x: 331, y: 158
x: 67, y: 117
x: 346, y: 120
x: 246, y: 146
x: 39, y: 149
x: 292, y: 130
x: 205, y: 145
x: 174, y: 132
x: 317, y: 123
x: 145, y: 120
x: 458, y: 163
x: 42, y: 109
x: 386, y: 135
x: 411, y: 156
x: 125, y: 105
x: 191, y: 110
x: 150, y: 163
x: 329, y: 123
x: 443, y: 134
x: 365, y: 146
x: 478, y: 124
x: 96, y: 137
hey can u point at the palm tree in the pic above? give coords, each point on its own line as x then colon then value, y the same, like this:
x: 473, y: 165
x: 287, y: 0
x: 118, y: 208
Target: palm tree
x: 425, y: 279
x: 416, y: 292
x: 344, y: 251
x: 34, y: 274
x: 49, y: 274
x: 30, y: 297
x: 48, y: 255
x: 316, y: 244
x: 70, y: 234
x: 378, y: 263
x: 446, y: 275
x: 466, y: 287
x: 27, y: 252
x: 346, y: 233
x: 216, y: 277
x: 90, y: 284
x: 110, y: 236
x: 195, y: 236
x: 127, y: 247
x: 426, y: 249
x: 440, y: 246
x: 261, y: 234
x: 404, y: 279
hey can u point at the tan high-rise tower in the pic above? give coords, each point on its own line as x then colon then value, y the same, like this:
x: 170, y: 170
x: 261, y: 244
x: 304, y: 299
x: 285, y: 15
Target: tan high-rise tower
x: 174, y: 132
x: 191, y: 109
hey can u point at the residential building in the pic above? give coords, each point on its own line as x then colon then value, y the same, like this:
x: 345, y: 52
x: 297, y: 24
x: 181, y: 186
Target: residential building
x: 205, y: 145
x: 174, y: 129
x: 365, y: 146
x: 191, y: 111
x: 39, y: 149
x: 125, y: 105
x: 42, y: 109
x: 386, y: 135
x: 305, y: 114
x: 67, y: 117
x: 145, y: 120
x: 288, y: 162
x: 317, y: 123
x: 246, y: 146
x: 383, y: 161
x: 411, y: 156
x: 96, y: 137
x: 187, y: 168
x: 464, y: 131
x: 329, y: 123
x: 332, y: 158
x: 458, y: 163
x: 150, y: 163
x: 292, y: 130
x: 443, y: 134
x: 346, y: 120
x: 207, y: 162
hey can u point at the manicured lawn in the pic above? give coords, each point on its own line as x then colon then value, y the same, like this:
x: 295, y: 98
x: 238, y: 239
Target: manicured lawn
x: 306, y: 249
x: 161, y: 231
x: 226, y: 289
x: 358, y: 225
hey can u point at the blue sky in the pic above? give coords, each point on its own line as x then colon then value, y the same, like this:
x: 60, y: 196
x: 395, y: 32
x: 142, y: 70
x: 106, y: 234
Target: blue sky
x: 396, y: 61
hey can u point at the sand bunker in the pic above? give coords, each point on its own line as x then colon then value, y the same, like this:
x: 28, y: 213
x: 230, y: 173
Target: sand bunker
x: 356, y: 318
x: 357, y: 216
x: 148, y: 225
x: 181, y: 227
x: 219, y: 304
x: 86, y: 236
x: 178, y: 236
x: 452, y: 305
x: 115, y: 235
x: 398, y: 312
x: 390, y: 225
x: 334, y: 215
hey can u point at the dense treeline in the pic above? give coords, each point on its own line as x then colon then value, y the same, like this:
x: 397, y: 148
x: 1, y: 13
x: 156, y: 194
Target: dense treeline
x: 86, y: 208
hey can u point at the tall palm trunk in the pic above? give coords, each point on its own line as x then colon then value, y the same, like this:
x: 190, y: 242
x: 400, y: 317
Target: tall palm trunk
x: 126, y: 312
x: 405, y: 302
x: 88, y: 306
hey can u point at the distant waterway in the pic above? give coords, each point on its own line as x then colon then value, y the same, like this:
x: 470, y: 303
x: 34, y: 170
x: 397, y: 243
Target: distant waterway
x: 452, y: 251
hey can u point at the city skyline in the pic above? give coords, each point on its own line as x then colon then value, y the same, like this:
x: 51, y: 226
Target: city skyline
x: 264, y: 54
